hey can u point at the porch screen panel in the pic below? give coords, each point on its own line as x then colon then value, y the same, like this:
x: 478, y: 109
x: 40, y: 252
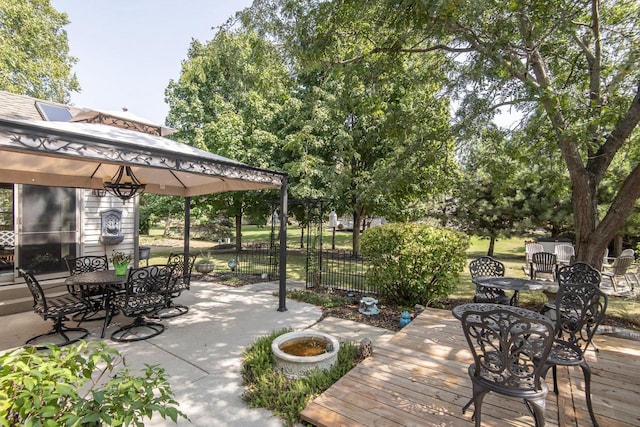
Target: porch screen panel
x: 7, y: 236
x: 48, y: 228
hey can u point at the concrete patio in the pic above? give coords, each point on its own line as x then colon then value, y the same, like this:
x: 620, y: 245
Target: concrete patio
x: 202, y: 350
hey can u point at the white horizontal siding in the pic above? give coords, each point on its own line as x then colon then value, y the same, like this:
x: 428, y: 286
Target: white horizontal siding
x: 92, y: 226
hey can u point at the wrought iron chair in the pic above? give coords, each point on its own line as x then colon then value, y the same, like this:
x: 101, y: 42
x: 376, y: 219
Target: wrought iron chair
x: 144, y: 294
x: 504, y: 343
x: 543, y: 263
x: 618, y: 271
x: 580, y: 308
x: 93, y: 294
x: 180, y: 281
x: 579, y: 272
x: 486, y: 266
x: 55, y: 308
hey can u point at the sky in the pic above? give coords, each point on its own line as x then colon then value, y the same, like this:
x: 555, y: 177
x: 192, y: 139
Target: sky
x: 129, y: 50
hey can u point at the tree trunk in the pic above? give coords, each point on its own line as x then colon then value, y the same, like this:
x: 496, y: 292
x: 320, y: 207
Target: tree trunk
x: 167, y: 226
x: 492, y: 245
x: 618, y: 242
x: 302, y: 237
x: 238, y: 232
x: 357, y: 219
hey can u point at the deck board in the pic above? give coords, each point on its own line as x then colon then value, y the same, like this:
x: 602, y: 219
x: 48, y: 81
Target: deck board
x: 419, y: 378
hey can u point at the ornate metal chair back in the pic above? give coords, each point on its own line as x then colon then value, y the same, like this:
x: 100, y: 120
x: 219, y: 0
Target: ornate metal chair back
x: 182, y: 267
x: 508, y: 348
x: 39, y: 300
x: 580, y: 308
x: 579, y: 272
x: 86, y: 264
x: 150, y: 280
x: 486, y: 266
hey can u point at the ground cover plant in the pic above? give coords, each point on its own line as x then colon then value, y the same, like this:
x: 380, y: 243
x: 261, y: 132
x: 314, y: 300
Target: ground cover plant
x: 85, y: 384
x: 267, y: 388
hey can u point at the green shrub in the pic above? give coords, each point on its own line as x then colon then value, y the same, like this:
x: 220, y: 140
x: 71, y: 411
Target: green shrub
x: 80, y: 385
x: 267, y: 388
x: 413, y: 263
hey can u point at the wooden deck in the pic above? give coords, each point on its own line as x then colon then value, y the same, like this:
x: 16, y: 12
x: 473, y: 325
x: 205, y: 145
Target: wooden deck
x: 419, y: 378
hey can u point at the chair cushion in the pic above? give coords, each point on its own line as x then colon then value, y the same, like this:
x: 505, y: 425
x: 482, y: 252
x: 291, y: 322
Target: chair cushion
x: 132, y: 305
x: 61, y: 306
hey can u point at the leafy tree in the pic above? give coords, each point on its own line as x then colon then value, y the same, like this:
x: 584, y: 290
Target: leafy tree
x: 487, y: 195
x: 34, y: 51
x: 573, y: 62
x: 504, y: 190
x: 228, y: 101
x: 373, y: 135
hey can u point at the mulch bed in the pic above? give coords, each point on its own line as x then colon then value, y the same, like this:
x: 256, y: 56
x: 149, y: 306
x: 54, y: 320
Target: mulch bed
x: 389, y: 316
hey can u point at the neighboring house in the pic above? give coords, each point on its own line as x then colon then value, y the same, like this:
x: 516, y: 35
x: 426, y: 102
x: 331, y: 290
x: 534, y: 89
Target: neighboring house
x: 39, y: 226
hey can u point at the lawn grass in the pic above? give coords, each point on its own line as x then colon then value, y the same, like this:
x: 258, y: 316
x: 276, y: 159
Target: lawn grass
x: 510, y: 251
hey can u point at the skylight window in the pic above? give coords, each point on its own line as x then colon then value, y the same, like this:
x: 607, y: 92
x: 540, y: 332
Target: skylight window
x: 53, y: 113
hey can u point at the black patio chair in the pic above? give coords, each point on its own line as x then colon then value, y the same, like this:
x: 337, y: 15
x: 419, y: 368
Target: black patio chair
x: 93, y: 294
x: 579, y: 272
x: 56, y: 308
x: 504, y: 343
x: 180, y: 281
x: 486, y: 266
x: 580, y: 308
x: 144, y: 294
x: 543, y: 263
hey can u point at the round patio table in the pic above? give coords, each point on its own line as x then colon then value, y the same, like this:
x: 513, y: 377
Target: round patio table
x: 459, y: 310
x: 107, y: 280
x: 516, y: 285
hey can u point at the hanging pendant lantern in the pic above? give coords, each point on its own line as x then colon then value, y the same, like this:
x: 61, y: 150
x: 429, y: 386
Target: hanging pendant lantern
x: 124, y: 184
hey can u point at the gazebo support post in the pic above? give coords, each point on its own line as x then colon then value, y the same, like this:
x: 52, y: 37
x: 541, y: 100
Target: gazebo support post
x: 187, y: 226
x: 282, y: 293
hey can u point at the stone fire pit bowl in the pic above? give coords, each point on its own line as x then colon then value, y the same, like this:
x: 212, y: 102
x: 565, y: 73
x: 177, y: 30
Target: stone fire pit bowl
x: 299, y: 366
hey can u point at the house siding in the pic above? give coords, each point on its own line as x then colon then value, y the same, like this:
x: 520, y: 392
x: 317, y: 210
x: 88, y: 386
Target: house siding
x: 91, y: 223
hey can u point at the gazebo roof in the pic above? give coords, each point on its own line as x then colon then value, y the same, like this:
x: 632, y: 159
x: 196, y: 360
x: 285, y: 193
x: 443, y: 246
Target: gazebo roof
x: 82, y: 154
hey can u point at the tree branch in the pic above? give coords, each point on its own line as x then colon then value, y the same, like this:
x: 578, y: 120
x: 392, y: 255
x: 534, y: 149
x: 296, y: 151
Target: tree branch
x: 600, y: 162
x: 392, y: 49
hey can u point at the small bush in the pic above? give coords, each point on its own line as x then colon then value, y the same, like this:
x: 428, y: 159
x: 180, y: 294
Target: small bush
x: 267, y: 388
x: 413, y: 263
x: 80, y: 385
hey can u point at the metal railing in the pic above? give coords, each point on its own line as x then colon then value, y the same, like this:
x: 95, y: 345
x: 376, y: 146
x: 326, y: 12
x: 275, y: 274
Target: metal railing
x: 256, y: 260
x: 339, y: 269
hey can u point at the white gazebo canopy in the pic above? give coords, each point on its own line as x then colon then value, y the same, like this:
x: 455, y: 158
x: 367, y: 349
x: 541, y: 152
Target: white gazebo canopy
x: 81, y: 155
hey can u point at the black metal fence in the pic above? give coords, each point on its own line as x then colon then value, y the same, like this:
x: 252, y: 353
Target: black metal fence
x: 339, y: 269
x: 259, y: 260
x: 256, y: 260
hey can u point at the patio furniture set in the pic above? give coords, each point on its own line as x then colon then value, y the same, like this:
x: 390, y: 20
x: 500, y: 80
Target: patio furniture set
x: 514, y: 348
x: 619, y: 270
x: 94, y: 292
